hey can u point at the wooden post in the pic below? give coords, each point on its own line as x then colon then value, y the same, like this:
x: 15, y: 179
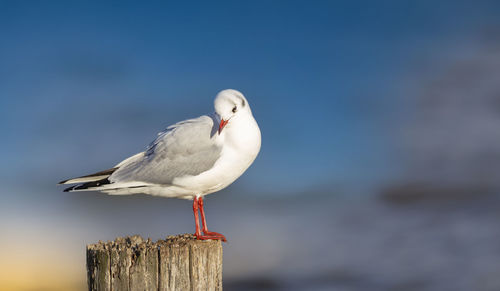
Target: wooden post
x: 178, y: 263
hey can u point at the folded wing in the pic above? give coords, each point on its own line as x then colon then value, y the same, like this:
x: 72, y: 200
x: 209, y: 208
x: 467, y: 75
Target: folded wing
x: 187, y: 148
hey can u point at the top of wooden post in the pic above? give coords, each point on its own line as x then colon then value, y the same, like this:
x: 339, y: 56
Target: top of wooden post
x: 136, y: 241
x: 179, y: 262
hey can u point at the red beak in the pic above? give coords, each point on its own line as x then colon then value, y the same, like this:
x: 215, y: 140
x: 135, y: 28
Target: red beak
x: 222, y: 124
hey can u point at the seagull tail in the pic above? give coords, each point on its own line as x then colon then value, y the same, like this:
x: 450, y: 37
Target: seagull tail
x: 99, y: 181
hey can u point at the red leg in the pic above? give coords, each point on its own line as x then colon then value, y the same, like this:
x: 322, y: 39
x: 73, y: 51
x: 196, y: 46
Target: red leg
x: 198, y: 204
x: 196, y: 218
x: 204, y: 223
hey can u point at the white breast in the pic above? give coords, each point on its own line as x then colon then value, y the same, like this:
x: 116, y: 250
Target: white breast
x: 241, y: 141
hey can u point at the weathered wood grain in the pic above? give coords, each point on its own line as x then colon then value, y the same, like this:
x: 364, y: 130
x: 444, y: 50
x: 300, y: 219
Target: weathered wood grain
x: 177, y: 263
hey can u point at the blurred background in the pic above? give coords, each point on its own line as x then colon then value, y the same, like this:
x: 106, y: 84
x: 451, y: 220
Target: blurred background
x: 380, y: 159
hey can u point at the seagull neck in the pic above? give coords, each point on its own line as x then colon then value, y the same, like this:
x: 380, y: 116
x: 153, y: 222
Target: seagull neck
x: 241, y: 133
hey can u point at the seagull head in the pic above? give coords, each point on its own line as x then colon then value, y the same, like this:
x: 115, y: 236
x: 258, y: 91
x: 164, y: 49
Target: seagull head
x: 230, y: 104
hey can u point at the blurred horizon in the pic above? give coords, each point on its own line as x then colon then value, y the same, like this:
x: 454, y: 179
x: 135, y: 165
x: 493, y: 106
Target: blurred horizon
x: 379, y: 122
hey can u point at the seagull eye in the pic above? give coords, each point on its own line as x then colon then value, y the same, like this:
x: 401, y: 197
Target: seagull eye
x: 234, y: 109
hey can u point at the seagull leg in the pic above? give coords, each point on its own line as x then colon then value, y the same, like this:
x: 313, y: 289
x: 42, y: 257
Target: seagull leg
x: 204, y: 223
x: 196, y: 218
x: 198, y: 205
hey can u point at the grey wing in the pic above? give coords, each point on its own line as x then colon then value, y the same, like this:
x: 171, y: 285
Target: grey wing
x: 187, y: 148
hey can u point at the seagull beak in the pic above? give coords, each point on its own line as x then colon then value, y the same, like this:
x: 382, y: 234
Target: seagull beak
x: 222, y: 124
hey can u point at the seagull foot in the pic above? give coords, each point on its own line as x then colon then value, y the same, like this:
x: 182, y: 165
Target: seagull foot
x: 211, y: 235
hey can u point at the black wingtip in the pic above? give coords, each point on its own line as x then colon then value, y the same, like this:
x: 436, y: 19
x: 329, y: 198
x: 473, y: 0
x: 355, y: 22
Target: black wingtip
x: 87, y: 185
x: 101, y: 173
x: 69, y: 189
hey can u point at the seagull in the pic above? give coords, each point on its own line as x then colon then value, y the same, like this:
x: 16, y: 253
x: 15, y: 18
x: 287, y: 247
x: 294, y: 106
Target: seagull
x: 188, y: 160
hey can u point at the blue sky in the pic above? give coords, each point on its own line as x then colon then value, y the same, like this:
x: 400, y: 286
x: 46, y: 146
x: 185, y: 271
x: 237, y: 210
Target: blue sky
x: 84, y: 85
